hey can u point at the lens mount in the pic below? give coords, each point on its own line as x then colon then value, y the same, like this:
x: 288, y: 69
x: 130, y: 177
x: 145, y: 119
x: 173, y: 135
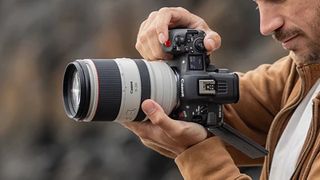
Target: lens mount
x: 77, y: 110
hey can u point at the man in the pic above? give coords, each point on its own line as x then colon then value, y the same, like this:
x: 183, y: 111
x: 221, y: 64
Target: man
x: 279, y: 104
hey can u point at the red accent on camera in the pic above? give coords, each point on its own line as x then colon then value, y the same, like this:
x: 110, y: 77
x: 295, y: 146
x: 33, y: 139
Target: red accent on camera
x: 167, y: 43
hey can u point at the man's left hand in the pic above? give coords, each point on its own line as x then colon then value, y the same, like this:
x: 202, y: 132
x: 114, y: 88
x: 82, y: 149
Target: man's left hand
x: 167, y: 136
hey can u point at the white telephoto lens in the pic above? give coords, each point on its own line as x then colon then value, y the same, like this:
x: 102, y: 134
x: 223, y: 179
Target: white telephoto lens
x: 119, y: 86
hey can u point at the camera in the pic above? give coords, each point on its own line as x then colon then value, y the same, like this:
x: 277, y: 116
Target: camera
x: 188, y: 88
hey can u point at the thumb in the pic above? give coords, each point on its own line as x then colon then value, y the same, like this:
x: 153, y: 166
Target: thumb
x: 212, y: 41
x: 158, y: 117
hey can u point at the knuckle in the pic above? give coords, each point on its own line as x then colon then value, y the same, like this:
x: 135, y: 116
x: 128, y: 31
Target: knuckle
x: 182, y: 9
x: 138, y: 46
x: 151, y: 31
x: 203, y: 23
x: 142, y: 26
x: 143, y: 38
x: 143, y: 23
x: 164, y: 10
x: 153, y: 14
x: 217, y: 37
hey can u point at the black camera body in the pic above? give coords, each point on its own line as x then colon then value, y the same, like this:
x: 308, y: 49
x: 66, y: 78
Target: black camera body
x: 202, y: 88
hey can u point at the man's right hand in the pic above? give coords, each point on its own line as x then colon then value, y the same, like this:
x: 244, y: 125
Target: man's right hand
x: 154, y: 31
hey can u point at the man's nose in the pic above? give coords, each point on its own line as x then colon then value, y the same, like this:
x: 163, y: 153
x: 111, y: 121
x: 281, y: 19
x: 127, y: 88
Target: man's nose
x: 270, y: 19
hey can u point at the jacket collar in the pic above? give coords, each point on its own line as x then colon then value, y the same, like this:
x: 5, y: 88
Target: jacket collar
x: 308, y: 72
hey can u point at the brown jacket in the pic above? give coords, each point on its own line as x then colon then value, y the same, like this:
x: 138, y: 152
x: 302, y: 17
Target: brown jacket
x: 268, y: 98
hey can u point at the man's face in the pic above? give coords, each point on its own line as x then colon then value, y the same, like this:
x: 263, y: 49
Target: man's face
x: 294, y: 23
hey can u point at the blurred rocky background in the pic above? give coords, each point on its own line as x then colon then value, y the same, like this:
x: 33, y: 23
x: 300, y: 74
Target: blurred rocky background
x: 39, y: 37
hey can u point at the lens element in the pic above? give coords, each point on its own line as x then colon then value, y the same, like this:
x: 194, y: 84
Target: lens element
x: 75, y: 91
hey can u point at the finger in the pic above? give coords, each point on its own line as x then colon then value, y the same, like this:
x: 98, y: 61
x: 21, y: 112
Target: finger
x: 162, y: 24
x: 172, y: 17
x: 212, y: 41
x: 152, y: 16
x: 144, y: 36
x: 158, y: 117
x: 146, y: 23
x: 150, y: 51
x: 156, y: 51
x: 155, y: 47
x: 141, y: 28
x: 143, y: 47
x: 141, y: 40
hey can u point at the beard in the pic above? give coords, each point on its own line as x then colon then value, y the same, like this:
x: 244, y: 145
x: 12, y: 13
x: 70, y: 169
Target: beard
x: 312, y: 52
x: 311, y: 49
x: 314, y: 45
x: 309, y: 58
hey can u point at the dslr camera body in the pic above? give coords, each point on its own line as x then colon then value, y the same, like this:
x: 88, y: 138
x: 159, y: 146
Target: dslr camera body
x: 202, y: 88
x: 188, y: 88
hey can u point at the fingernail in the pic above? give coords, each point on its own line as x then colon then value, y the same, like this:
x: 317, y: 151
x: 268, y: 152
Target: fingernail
x: 162, y: 39
x: 148, y: 107
x: 212, y: 44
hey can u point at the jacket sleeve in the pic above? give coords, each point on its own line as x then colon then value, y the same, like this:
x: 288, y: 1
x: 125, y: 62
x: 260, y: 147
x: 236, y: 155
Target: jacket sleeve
x: 208, y: 160
x: 261, y: 92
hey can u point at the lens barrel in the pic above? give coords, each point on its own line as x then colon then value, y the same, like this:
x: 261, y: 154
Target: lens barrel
x: 113, y: 89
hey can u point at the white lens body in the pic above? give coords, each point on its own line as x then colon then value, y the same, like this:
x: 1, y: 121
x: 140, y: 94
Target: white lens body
x: 131, y: 90
x: 163, y: 85
x: 163, y: 88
